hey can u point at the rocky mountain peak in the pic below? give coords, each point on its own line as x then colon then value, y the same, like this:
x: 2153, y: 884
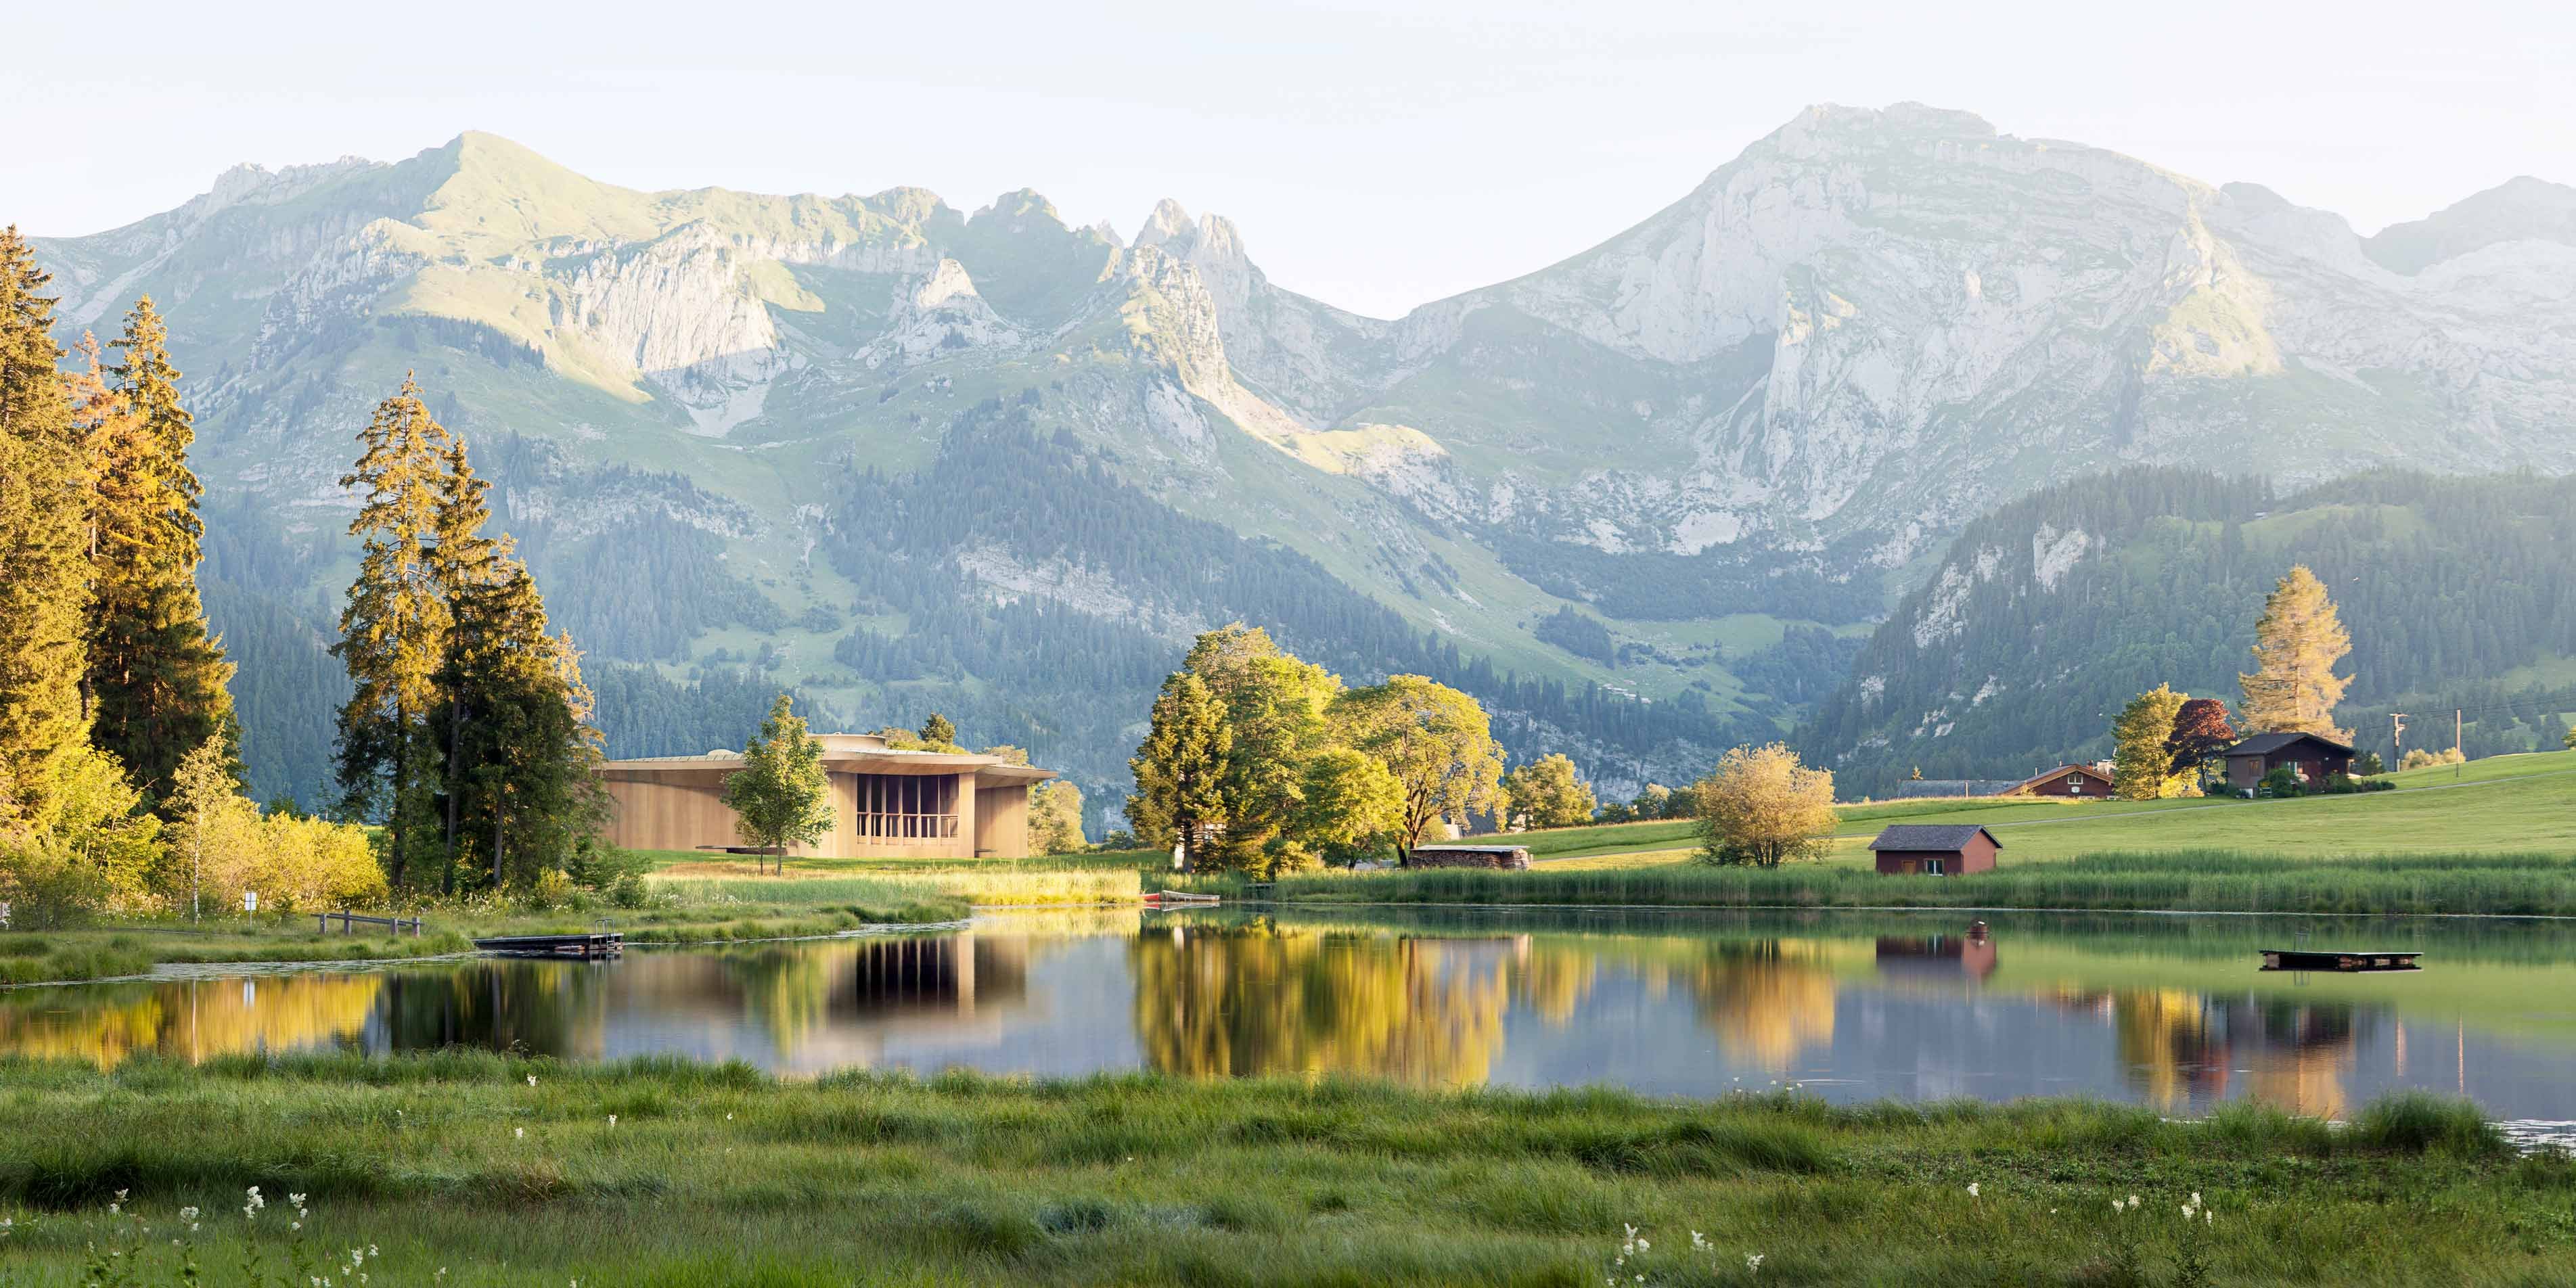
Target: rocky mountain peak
x: 2521, y: 209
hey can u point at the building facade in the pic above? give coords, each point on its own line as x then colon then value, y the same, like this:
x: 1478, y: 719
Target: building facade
x: 885, y: 803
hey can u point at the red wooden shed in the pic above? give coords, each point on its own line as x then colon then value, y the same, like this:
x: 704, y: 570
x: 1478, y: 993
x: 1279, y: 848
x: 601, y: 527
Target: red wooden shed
x: 1933, y: 849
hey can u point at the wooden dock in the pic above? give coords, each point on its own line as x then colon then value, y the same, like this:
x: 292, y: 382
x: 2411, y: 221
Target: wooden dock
x: 2336, y: 959
x: 1180, y: 898
x: 588, y: 945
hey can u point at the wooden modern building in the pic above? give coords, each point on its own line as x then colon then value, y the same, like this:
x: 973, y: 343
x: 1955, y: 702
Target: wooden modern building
x: 2073, y: 782
x: 885, y: 803
x: 1939, y: 850
x: 2315, y: 759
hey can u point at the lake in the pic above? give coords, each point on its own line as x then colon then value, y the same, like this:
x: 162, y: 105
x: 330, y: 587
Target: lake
x: 2166, y: 1011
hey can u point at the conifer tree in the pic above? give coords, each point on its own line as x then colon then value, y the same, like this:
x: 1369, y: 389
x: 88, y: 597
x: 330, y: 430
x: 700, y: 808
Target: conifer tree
x: 157, y: 678
x: 513, y: 718
x: 393, y: 633
x: 2296, y: 645
x: 1180, y: 770
x: 43, y: 545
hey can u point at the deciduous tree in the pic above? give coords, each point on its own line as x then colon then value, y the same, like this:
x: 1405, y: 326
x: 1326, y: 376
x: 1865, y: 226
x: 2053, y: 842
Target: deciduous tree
x: 2201, y: 731
x: 781, y: 795
x: 2142, y: 757
x: 1547, y: 792
x: 1761, y: 807
x: 1055, y: 818
x: 2297, y: 645
x: 1435, y: 740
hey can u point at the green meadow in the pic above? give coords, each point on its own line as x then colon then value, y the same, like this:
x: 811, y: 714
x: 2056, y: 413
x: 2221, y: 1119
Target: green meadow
x: 481, y: 1169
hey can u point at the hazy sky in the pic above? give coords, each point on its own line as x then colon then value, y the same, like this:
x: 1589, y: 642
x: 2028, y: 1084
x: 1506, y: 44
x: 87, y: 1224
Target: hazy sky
x: 1375, y: 156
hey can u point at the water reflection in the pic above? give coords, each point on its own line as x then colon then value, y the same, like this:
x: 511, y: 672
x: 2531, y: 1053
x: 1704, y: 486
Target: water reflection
x: 2169, y: 1014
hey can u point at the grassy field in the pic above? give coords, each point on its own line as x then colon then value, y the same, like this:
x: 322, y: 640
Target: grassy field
x: 2505, y: 804
x: 504, y: 1172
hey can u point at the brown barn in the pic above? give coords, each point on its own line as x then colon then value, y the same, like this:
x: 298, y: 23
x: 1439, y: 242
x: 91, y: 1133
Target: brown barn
x: 1934, y: 849
x: 2316, y: 759
x: 2074, y: 782
x: 885, y: 803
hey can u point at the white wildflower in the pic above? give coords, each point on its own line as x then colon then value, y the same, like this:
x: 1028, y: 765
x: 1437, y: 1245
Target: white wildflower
x: 612, y: 1120
x: 518, y: 1133
x: 1972, y: 1189
x: 1753, y: 1261
x: 532, y: 1080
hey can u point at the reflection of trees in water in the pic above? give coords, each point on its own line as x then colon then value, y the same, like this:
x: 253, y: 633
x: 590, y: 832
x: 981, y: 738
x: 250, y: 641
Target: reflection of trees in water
x: 1551, y: 979
x: 1767, y: 1000
x: 542, y: 1008
x: 2180, y: 1046
x: 1255, y: 999
x: 187, y: 1020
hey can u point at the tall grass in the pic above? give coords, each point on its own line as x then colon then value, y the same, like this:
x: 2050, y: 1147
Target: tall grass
x: 663, y: 1172
x: 2194, y: 881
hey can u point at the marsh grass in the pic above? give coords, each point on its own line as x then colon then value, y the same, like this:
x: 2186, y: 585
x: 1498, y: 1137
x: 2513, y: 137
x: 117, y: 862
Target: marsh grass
x: 2195, y: 881
x: 719, y: 1174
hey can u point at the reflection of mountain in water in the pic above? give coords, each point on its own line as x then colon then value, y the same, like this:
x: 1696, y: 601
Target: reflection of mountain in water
x: 2179, y: 1047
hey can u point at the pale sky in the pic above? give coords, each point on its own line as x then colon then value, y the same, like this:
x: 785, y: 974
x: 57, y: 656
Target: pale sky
x: 1374, y: 156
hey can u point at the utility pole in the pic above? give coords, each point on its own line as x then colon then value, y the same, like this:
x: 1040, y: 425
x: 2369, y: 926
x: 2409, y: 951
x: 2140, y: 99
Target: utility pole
x: 2397, y: 739
x: 2455, y: 743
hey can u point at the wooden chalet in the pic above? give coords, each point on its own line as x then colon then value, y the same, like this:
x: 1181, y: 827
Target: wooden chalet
x: 1936, y: 849
x: 885, y: 803
x: 2073, y: 782
x: 2314, y: 758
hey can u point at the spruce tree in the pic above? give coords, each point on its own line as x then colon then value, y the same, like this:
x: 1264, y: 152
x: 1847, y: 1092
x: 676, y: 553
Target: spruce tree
x: 43, y: 544
x: 1180, y: 770
x: 2296, y: 645
x: 393, y: 633
x: 513, y: 720
x: 157, y: 677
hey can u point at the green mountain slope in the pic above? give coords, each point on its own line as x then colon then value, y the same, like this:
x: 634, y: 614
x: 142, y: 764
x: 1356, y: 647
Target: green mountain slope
x: 1673, y: 477
x: 2048, y: 615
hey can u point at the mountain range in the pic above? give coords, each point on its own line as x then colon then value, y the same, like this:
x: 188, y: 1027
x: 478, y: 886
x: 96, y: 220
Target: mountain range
x: 1650, y: 499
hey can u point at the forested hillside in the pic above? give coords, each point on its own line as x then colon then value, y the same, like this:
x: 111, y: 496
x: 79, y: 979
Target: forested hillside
x: 1087, y: 591
x: 2048, y: 614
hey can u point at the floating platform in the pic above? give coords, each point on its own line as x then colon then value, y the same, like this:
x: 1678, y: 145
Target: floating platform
x: 2337, y: 959
x: 1173, y: 898
x: 602, y: 943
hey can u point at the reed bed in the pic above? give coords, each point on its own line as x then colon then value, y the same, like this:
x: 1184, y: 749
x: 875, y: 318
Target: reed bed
x: 2182, y: 881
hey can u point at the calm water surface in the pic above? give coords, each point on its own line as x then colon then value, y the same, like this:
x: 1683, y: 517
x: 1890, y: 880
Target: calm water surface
x: 2166, y: 1011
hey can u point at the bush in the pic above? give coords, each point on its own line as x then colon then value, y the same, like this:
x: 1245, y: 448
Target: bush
x: 48, y: 889
x: 2282, y: 782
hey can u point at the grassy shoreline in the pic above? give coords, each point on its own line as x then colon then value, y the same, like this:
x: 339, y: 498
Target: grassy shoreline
x: 675, y: 1173
x: 2190, y: 881
x: 691, y: 902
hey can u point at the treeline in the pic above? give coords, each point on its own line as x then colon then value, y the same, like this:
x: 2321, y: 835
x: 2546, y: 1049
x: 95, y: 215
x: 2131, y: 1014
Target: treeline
x: 1077, y: 679
x: 2048, y: 615
x: 119, y: 750
x: 1657, y: 585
